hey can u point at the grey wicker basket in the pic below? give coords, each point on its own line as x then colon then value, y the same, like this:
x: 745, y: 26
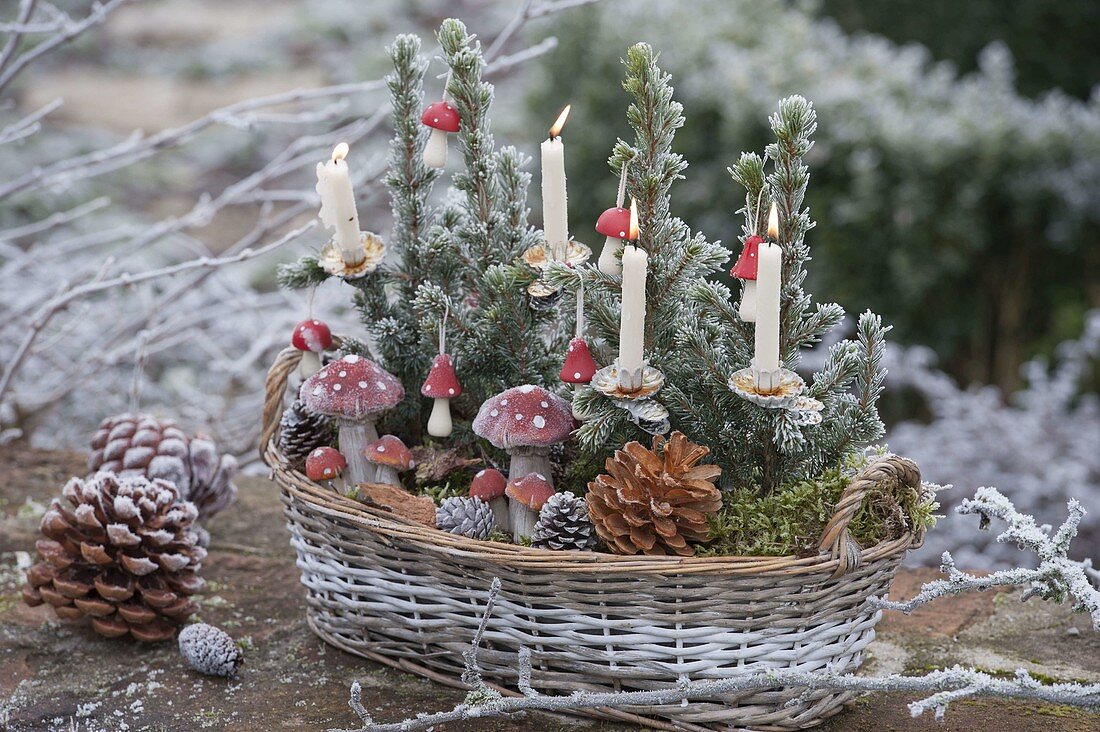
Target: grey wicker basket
x: 411, y: 597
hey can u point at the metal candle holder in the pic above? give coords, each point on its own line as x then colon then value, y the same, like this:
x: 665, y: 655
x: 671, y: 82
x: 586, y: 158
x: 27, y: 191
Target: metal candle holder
x: 539, y: 256
x: 616, y: 383
x: 332, y: 261
x: 778, y: 389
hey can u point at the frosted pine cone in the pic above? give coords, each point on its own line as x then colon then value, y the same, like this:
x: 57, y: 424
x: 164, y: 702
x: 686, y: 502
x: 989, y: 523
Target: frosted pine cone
x: 465, y: 516
x: 129, y: 444
x: 301, y: 432
x: 564, y: 524
x: 122, y: 551
x: 210, y: 650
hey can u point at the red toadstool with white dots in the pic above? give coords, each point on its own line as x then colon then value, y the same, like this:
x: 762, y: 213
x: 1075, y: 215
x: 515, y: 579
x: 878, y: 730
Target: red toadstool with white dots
x: 442, y: 117
x: 526, y: 421
x: 488, y: 485
x: 441, y: 385
x: 579, y: 366
x: 745, y: 270
x: 312, y: 337
x: 527, y: 497
x: 325, y: 464
x: 614, y: 223
x: 354, y: 391
x: 389, y: 454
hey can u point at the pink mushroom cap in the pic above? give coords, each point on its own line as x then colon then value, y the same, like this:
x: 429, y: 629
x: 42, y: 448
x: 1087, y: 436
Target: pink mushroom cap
x: 579, y: 366
x: 353, y: 388
x: 532, y: 490
x: 614, y: 222
x: 441, y: 116
x: 524, y: 416
x: 745, y: 268
x: 442, y: 382
x: 390, y: 450
x: 311, y: 335
x: 488, y: 484
x: 325, y: 463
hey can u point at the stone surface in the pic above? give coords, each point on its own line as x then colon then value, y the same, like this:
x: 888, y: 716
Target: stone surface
x: 59, y: 676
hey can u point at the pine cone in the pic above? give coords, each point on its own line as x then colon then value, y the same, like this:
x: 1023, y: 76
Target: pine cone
x: 129, y: 444
x: 465, y: 516
x: 564, y: 524
x: 655, y: 501
x: 301, y: 432
x: 122, y: 551
x: 210, y: 650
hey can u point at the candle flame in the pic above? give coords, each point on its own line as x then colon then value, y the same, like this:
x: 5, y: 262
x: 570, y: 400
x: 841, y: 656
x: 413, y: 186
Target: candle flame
x: 555, y: 129
x: 634, y: 231
x: 773, y: 223
x: 340, y: 151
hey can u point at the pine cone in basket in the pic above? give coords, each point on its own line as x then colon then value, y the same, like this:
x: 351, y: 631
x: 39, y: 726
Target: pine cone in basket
x: 301, y: 432
x: 564, y: 524
x: 121, y: 550
x: 655, y: 501
x: 140, y: 444
x: 470, y: 517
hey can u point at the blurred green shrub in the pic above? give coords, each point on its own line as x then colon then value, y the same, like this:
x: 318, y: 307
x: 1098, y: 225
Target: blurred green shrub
x: 965, y: 213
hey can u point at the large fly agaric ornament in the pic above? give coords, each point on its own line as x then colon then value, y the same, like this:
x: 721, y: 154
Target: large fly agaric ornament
x: 526, y: 421
x: 354, y: 391
x: 312, y: 337
x: 442, y: 118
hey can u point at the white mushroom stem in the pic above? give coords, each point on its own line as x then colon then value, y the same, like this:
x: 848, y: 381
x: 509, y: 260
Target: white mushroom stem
x: 607, y: 262
x: 353, y: 439
x: 309, y: 365
x: 435, y: 152
x: 747, y: 310
x: 527, y: 460
x: 387, y: 474
x: 439, y: 423
x: 501, y: 519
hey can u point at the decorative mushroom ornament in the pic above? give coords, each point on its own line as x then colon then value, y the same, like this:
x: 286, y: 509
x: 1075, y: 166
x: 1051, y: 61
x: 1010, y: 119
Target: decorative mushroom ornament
x: 312, y: 337
x: 527, y: 497
x: 354, y: 391
x: 326, y: 464
x: 579, y: 366
x: 389, y: 454
x: 442, y: 117
x: 488, y: 485
x: 745, y: 269
x: 614, y: 223
x: 441, y: 385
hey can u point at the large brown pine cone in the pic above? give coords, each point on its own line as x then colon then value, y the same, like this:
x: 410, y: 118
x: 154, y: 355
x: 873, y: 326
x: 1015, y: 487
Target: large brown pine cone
x: 655, y: 501
x: 140, y: 444
x: 122, y: 551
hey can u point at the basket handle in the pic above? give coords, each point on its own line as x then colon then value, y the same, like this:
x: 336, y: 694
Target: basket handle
x: 835, y: 539
x: 275, y: 388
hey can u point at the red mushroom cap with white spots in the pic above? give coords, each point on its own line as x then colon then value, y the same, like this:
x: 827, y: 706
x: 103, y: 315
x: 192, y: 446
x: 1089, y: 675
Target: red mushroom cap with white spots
x: 532, y: 490
x: 390, y: 450
x: 524, y: 416
x: 353, y: 388
x: 614, y: 222
x: 442, y: 382
x: 488, y: 484
x: 311, y: 335
x: 441, y: 116
x: 325, y: 463
x: 579, y: 366
x: 745, y: 268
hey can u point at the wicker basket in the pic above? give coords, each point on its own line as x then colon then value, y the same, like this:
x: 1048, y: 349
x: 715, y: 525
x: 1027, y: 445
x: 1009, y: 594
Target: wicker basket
x: 411, y: 597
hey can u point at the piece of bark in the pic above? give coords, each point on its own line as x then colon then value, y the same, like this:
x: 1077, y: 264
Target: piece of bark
x: 433, y: 464
x: 419, y: 509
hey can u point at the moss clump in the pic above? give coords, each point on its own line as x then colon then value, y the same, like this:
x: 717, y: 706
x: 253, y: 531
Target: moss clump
x: 790, y: 520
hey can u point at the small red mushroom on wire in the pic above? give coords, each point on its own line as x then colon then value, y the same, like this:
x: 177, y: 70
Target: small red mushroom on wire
x: 390, y: 456
x: 614, y: 223
x: 488, y: 485
x: 530, y: 493
x: 745, y: 267
x: 442, y: 118
x: 579, y: 366
x: 326, y: 465
x: 442, y: 385
x: 312, y: 337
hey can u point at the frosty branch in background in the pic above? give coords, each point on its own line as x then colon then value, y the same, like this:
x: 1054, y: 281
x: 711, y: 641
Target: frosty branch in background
x: 1056, y: 578
x: 942, y: 686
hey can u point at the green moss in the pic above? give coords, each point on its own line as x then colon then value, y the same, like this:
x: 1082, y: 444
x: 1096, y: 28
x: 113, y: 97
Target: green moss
x: 790, y: 520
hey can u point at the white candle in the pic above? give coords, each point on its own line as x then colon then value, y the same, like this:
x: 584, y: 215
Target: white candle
x: 338, y: 205
x: 632, y: 322
x: 555, y: 207
x: 769, y: 277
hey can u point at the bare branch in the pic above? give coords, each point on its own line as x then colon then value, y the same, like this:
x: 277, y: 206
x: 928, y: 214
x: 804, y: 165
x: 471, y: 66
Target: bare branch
x: 26, y: 10
x: 29, y: 125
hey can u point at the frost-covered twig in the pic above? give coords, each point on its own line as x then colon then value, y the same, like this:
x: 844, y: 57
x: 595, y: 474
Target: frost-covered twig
x: 29, y: 124
x: 1056, y: 578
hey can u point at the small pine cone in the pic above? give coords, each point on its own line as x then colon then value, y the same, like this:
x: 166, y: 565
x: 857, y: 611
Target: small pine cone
x: 301, y: 432
x: 564, y: 525
x: 210, y: 650
x: 122, y: 551
x: 140, y: 444
x: 469, y: 517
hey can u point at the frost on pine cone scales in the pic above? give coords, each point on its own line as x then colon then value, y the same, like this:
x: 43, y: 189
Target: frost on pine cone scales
x: 301, y: 432
x: 564, y: 525
x: 122, y: 551
x: 140, y: 444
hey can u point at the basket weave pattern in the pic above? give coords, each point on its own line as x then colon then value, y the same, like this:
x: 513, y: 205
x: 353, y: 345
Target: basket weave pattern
x: 412, y: 597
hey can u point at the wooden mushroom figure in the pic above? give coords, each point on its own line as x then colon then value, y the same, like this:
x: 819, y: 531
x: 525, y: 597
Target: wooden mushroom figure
x: 441, y: 385
x: 526, y: 497
x: 442, y: 118
x: 526, y: 421
x: 354, y: 391
x: 326, y: 465
x: 312, y: 337
x: 488, y: 485
x: 745, y: 270
x: 389, y: 456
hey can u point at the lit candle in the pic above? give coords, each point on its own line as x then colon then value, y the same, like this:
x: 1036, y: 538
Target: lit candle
x: 555, y: 208
x: 338, y: 205
x: 632, y: 322
x: 769, y: 276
